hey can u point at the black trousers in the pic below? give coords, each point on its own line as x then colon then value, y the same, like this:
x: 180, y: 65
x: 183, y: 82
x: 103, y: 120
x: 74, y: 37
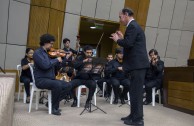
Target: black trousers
x: 149, y: 84
x: 108, y: 85
x: 91, y: 84
x: 135, y: 91
x: 116, y: 84
x: 26, y: 80
x: 58, y: 88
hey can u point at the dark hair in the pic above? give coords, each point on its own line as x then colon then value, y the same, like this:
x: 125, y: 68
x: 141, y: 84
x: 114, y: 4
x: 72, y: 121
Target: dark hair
x: 119, y: 50
x: 128, y: 11
x: 153, y: 51
x: 46, y: 38
x: 28, y: 50
x: 65, y: 40
x: 87, y: 47
x: 110, y: 54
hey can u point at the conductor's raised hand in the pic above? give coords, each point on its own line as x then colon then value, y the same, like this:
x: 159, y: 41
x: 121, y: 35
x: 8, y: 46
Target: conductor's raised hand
x: 114, y: 37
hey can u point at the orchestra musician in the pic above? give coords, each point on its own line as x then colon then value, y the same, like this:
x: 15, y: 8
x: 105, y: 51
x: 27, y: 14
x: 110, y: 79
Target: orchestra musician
x: 83, y: 65
x: 44, y: 72
x: 154, y: 75
x: 106, y: 77
x: 119, y: 77
x: 26, y: 76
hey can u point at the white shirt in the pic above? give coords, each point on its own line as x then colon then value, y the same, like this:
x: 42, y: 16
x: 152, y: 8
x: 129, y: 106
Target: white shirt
x: 130, y: 22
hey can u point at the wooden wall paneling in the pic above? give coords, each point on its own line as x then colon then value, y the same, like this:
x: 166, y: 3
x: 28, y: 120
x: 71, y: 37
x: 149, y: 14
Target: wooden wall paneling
x: 181, y: 103
x: 58, y: 4
x: 192, y: 50
x: 142, y: 12
x: 38, y: 25
x: 43, y: 3
x: 56, y: 26
x: 134, y: 5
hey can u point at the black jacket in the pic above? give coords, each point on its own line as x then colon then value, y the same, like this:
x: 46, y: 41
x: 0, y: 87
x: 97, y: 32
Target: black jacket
x: 113, y: 70
x: 155, y: 72
x: 134, y: 44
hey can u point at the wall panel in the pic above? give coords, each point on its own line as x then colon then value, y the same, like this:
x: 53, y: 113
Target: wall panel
x: 56, y: 26
x: 154, y: 13
x: 179, y: 14
x: 103, y: 9
x: 4, y: 18
x: 116, y: 7
x: 38, y: 25
x: 58, y: 4
x: 18, y: 23
x: 166, y: 13
x: 44, y: 3
x: 142, y: 12
x: 74, y: 6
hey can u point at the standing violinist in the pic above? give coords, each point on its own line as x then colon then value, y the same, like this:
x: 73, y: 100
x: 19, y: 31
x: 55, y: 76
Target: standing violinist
x: 44, y: 72
x: 26, y: 76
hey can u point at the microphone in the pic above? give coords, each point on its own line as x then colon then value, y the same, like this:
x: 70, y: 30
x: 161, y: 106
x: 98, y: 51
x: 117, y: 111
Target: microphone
x: 2, y: 70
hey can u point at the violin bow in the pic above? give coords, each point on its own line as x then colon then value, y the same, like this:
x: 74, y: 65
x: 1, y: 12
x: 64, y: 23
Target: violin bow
x: 99, y: 41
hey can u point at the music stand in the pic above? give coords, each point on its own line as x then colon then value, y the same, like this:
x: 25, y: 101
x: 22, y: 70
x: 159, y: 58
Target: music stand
x: 95, y: 65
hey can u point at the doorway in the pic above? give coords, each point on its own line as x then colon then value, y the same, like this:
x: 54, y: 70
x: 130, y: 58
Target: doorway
x: 96, y: 33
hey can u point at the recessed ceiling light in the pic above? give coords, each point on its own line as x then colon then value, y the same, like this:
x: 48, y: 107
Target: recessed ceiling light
x: 93, y: 27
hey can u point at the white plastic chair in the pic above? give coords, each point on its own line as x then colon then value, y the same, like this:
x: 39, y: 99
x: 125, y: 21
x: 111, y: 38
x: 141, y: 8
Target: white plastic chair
x: 154, y: 94
x: 79, y: 89
x: 19, y: 70
x: 112, y: 95
x: 34, y: 88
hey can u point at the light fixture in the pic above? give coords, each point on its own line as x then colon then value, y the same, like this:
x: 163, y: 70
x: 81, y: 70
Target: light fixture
x: 93, y: 27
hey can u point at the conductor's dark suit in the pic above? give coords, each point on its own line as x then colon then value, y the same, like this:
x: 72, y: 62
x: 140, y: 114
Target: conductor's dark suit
x: 135, y: 62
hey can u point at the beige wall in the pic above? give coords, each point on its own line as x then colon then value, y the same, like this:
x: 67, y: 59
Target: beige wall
x: 14, y: 28
x: 170, y: 28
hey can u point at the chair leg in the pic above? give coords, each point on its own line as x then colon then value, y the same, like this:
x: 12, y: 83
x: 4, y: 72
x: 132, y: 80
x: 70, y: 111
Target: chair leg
x: 159, y: 93
x: 153, y: 96
x: 49, y: 102
x: 25, y: 96
x: 128, y: 97
x: 37, y: 99
x: 19, y: 90
x: 103, y: 89
x: 78, y: 96
x: 31, y: 98
x: 112, y: 95
x: 95, y: 96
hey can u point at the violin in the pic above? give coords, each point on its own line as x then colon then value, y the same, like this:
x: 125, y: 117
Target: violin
x: 54, y: 53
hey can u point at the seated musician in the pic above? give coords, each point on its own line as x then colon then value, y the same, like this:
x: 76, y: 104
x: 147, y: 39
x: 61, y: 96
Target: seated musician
x: 119, y: 77
x: 83, y: 66
x: 70, y: 53
x: 44, y: 72
x: 26, y: 76
x: 106, y: 77
x: 154, y: 75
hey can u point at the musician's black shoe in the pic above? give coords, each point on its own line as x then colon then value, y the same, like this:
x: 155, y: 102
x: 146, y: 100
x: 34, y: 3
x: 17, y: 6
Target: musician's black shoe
x: 122, y: 101
x: 87, y: 105
x: 56, y: 109
x: 56, y: 112
x: 126, y: 118
x: 135, y: 123
x: 74, y: 103
x: 115, y: 101
x: 146, y: 102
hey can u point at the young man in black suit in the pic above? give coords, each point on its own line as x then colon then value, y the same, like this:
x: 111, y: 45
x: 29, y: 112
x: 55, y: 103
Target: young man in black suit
x: 135, y: 62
